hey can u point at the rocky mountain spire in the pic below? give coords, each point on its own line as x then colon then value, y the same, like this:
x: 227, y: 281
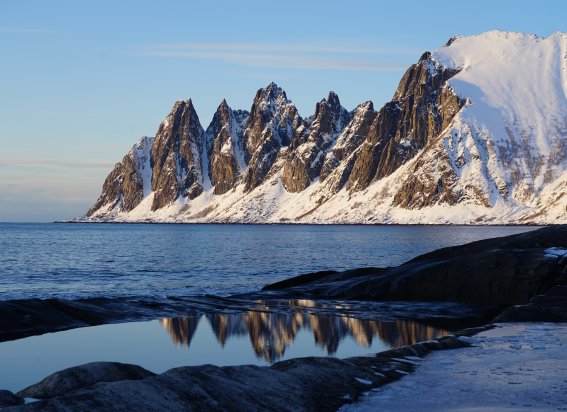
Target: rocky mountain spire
x: 464, y: 127
x: 309, y: 149
x: 176, y: 156
x: 271, y: 125
x: 225, y: 147
x: 420, y: 109
x: 350, y: 138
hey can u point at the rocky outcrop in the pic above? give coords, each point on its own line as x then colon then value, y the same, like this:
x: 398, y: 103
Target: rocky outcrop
x: 350, y: 139
x: 501, y: 272
x: 225, y: 147
x: 307, y: 384
x: 272, y: 124
x: 7, y: 398
x: 128, y: 183
x: 421, y: 108
x: 176, y: 156
x: 83, y: 376
x: 548, y: 307
x: 309, y: 147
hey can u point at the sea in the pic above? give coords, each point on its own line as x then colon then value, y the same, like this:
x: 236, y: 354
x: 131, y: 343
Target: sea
x: 44, y: 260
x: 73, y: 261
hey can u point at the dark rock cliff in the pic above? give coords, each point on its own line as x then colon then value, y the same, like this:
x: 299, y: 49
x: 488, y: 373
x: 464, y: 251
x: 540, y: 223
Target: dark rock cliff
x: 308, y: 149
x: 124, y: 186
x: 176, y: 156
x: 225, y: 149
x: 272, y: 124
x: 421, y: 108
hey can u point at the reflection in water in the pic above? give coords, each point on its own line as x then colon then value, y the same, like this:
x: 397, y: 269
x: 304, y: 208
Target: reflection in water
x: 272, y: 332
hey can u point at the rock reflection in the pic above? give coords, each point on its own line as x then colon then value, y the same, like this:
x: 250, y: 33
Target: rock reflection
x: 182, y: 329
x: 272, y: 332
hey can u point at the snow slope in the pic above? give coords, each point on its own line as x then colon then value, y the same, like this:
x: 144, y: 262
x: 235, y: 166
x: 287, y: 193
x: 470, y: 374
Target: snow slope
x: 503, y: 156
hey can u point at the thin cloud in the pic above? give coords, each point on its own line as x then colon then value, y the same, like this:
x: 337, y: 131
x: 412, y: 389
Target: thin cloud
x: 59, y: 163
x: 286, y: 48
x: 24, y: 30
x: 315, y: 57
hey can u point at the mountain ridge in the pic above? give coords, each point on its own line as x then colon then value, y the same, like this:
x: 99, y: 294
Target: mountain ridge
x: 467, y: 138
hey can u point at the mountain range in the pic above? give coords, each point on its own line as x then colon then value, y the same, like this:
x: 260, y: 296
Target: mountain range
x: 476, y: 133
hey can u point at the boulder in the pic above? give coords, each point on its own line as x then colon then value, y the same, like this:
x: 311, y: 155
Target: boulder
x: 7, y: 398
x: 82, y: 376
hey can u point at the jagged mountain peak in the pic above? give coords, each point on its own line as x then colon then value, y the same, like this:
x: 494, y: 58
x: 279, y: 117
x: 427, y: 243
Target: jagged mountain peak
x: 271, y: 95
x: 364, y: 106
x: 466, y: 138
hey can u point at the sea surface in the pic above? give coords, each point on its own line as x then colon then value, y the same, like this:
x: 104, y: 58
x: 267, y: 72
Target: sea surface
x: 111, y: 260
x: 114, y: 260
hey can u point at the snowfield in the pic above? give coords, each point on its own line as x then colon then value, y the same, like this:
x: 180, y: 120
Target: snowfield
x: 507, y: 148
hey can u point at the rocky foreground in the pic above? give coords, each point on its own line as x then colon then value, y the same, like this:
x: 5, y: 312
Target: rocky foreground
x: 519, y: 278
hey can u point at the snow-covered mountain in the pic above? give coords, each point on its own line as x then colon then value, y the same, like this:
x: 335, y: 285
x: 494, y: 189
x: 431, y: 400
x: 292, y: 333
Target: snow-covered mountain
x: 475, y: 133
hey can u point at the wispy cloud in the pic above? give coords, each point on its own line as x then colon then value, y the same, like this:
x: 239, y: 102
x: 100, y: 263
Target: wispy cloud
x: 24, y: 30
x: 58, y: 163
x: 300, y: 56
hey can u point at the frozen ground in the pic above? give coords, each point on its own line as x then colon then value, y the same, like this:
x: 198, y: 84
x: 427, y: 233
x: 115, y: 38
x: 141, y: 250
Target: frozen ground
x: 516, y: 366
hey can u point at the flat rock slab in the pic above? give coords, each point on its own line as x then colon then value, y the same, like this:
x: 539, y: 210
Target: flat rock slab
x: 513, y: 367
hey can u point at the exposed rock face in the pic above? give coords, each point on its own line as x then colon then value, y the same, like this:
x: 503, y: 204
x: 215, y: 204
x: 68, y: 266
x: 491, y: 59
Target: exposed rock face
x: 128, y: 183
x: 176, y: 156
x: 225, y: 149
x: 309, y: 147
x: 272, y: 124
x: 351, y: 137
x: 422, y: 107
x: 548, y: 307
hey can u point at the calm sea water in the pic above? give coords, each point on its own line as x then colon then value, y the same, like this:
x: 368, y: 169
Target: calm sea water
x: 78, y: 260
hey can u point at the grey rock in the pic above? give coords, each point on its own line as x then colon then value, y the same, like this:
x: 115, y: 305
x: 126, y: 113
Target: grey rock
x: 7, y: 398
x: 307, y: 384
x: 549, y: 307
x: 82, y: 376
x: 502, y: 272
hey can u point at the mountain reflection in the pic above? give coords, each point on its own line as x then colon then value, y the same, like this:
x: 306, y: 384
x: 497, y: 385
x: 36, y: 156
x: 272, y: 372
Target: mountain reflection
x: 271, y: 333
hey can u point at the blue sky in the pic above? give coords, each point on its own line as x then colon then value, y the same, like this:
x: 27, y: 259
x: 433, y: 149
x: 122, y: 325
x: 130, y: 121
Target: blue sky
x: 81, y: 82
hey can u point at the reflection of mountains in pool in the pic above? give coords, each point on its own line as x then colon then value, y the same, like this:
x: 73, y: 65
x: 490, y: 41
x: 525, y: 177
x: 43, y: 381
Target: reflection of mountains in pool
x: 272, y: 332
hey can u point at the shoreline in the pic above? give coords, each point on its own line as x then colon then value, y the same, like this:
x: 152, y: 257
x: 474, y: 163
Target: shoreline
x: 518, y: 278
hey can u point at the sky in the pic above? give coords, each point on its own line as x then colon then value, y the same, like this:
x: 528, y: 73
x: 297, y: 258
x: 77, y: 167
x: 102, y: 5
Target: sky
x: 81, y: 82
